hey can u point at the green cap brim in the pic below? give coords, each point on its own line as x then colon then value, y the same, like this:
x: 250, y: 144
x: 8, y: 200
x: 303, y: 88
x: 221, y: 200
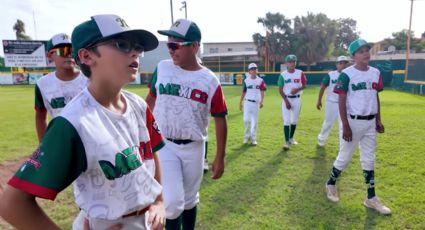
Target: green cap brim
x: 171, y: 33
x: 143, y: 37
x: 369, y: 44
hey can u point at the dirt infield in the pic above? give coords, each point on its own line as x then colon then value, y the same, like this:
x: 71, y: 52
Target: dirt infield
x: 7, y: 170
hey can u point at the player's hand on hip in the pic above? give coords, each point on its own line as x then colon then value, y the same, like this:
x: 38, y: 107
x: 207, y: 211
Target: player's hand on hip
x: 217, y: 168
x: 319, y: 105
x: 157, y: 215
x: 347, y: 135
x: 86, y: 226
x: 294, y: 91
x: 380, y: 127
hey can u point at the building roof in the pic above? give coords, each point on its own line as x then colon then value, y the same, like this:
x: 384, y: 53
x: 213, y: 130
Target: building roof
x: 231, y: 54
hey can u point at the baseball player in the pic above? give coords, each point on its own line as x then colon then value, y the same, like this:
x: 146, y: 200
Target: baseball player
x: 331, y: 110
x: 182, y: 95
x: 291, y: 84
x: 104, y: 141
x: 359, y: 109
x: 251, y: 101
x: 56, y: 89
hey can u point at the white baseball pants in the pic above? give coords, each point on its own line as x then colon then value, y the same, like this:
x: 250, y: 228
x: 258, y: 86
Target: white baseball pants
x: 181, y: 175
x: 250, y: 118
x: 331, y: 115
x: 290, y: 116
x: 364, y: 135
x: 128, y: 223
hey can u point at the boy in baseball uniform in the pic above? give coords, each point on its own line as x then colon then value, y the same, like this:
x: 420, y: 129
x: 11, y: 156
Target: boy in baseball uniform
x: 359, y: 108
x: 104, y: 141
x: 291, y: 84
x: 331, y: 109
x: 251, y: 101
x: 183, y: 94
x: 56, y: 89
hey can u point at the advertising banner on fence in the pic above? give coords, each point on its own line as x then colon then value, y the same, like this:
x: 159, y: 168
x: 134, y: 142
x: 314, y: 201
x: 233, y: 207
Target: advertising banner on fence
x: 20, y: 53
x: 225, y: 78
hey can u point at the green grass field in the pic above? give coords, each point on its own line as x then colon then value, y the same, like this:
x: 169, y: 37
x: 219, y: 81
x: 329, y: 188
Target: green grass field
x: 266, y: 188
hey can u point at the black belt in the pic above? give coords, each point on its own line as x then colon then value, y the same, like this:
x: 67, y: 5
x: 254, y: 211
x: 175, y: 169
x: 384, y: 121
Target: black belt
x: 293, y: 96
x: 180, y: 142
x: 251, y: 100
x: 358, y: 117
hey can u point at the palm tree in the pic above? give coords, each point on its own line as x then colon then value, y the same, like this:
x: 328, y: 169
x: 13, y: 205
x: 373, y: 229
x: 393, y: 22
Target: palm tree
x: 19, y: 29
x: 314, y: 35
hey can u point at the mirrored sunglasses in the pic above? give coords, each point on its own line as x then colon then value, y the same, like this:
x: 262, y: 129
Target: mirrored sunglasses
x: 62, y: 51
x: 177, y: 45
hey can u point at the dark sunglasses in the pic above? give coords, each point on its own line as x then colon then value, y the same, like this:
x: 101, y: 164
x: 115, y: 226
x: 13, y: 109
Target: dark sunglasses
x: 342, y: 62
x: 62, y: 51
x: 253, y: 68
x: 122, y: 45
x: 177, y: 45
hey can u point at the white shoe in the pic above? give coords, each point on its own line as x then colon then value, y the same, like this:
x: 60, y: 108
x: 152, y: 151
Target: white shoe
x: 245, y: 141
x: 320, y: 143
x: 206, y: 168
x: 375, y: 203
x: 332, y: 193
x: 286, y: 146
x: 254, y: 142
x: 293, y: 142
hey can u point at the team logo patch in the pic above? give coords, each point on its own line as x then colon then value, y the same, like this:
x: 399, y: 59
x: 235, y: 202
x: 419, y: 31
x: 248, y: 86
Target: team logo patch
x: 34, y: 160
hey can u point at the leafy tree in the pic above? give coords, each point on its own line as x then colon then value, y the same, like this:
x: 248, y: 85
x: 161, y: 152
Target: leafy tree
x: 277, y: 41
x: 399, y: 40
x: 19, y: 29
x: 346, y: 33
x: 314, y: 34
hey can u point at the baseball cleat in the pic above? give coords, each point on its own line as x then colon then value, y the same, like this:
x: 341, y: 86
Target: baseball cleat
x: 206, y: 166
x: 332, y: 193
x: 254, y: 142
x: 286, y: 146
x: 321, y: 143
x: 375, y: 203
x: 245, y: 141
x: 293, y: 142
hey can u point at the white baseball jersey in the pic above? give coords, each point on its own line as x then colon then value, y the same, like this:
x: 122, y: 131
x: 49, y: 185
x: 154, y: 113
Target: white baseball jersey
x: 184, y: 100
x: 108, y: 156
x: 253, y: 88
x: 53, y: 94
x: 291, y: 81
x: 361, y: 88
x: 330, y: 81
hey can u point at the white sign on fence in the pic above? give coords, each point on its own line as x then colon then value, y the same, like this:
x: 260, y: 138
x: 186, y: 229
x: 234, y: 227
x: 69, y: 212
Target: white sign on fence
x: 19, y: 53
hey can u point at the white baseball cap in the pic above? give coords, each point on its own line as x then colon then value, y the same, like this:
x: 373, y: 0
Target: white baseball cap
x: 58, y: 40
x: 252, y: 65
x: 183, y: 29
x: 105, y: 26
x: 342, y: 58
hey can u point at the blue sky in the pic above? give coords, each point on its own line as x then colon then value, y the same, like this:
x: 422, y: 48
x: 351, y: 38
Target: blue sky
x: 219, y: 20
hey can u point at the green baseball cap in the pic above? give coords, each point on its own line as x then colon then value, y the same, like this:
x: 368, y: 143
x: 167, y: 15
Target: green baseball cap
x: 357, y: 44
x: 105, y: 26
x: 290, y: 57
x: 58, y: 40
x: 183, y: 29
